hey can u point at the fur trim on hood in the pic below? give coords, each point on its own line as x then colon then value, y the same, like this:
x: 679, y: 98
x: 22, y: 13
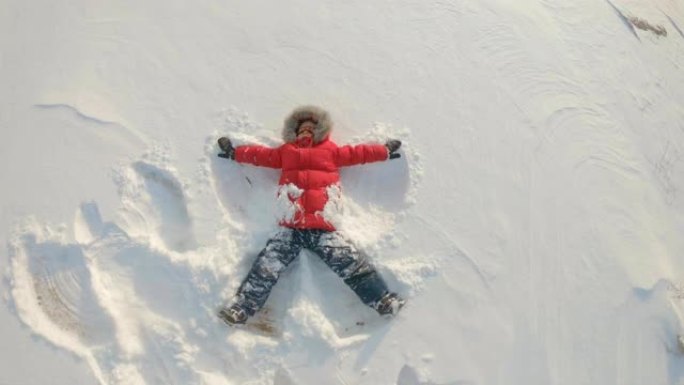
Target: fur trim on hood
x: 317, y: 114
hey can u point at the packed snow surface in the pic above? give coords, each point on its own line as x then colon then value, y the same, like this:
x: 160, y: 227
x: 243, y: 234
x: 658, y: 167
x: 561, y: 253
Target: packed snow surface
x: 534, y: 221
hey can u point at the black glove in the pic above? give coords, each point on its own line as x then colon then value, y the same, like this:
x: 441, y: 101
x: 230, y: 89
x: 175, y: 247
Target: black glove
x: 227, y: 147
x: 392, y: 146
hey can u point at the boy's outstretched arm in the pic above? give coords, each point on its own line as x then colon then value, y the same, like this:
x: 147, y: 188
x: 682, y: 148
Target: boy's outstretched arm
x: 253, y: 154
x: 366, y: 153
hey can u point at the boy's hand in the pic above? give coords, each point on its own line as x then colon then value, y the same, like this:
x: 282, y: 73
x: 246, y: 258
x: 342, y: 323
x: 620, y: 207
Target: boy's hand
x: 227, y: 147
x: 392, y: 146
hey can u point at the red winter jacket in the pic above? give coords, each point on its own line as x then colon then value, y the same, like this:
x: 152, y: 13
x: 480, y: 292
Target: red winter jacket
x: 311, y: 169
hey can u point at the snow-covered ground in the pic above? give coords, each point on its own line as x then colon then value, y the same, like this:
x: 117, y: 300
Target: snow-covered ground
x: 534, y: 221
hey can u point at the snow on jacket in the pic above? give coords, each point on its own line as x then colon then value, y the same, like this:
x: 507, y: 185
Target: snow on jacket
x: 311, y: 170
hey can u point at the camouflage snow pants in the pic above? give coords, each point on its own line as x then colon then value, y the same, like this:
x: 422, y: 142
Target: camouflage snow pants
x: 339, y: 254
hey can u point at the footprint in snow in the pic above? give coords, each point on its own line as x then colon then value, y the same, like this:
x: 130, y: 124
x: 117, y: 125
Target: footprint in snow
x: 409, y: 376
x: 165, y: 197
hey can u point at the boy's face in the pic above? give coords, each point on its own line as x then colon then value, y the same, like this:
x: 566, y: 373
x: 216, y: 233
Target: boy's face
x: 306, y: 129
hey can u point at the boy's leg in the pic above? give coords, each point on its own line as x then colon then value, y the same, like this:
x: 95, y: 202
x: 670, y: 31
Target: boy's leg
x: 279, y: 252
x: 352, y: 266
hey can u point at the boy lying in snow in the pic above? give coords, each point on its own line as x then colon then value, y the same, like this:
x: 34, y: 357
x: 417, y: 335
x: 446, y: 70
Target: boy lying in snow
x: 310, y: 165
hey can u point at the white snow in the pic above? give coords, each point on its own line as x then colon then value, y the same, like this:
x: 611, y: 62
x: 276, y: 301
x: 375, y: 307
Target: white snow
x: 534, y: 220
x: 286, y: 202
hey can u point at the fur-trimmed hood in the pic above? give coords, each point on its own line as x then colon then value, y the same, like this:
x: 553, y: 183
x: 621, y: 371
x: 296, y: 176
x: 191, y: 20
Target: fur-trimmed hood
x: 320, y: 116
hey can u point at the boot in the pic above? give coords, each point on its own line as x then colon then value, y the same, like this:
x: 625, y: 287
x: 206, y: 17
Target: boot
x: 234, y: 315
x: 389, y: 304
